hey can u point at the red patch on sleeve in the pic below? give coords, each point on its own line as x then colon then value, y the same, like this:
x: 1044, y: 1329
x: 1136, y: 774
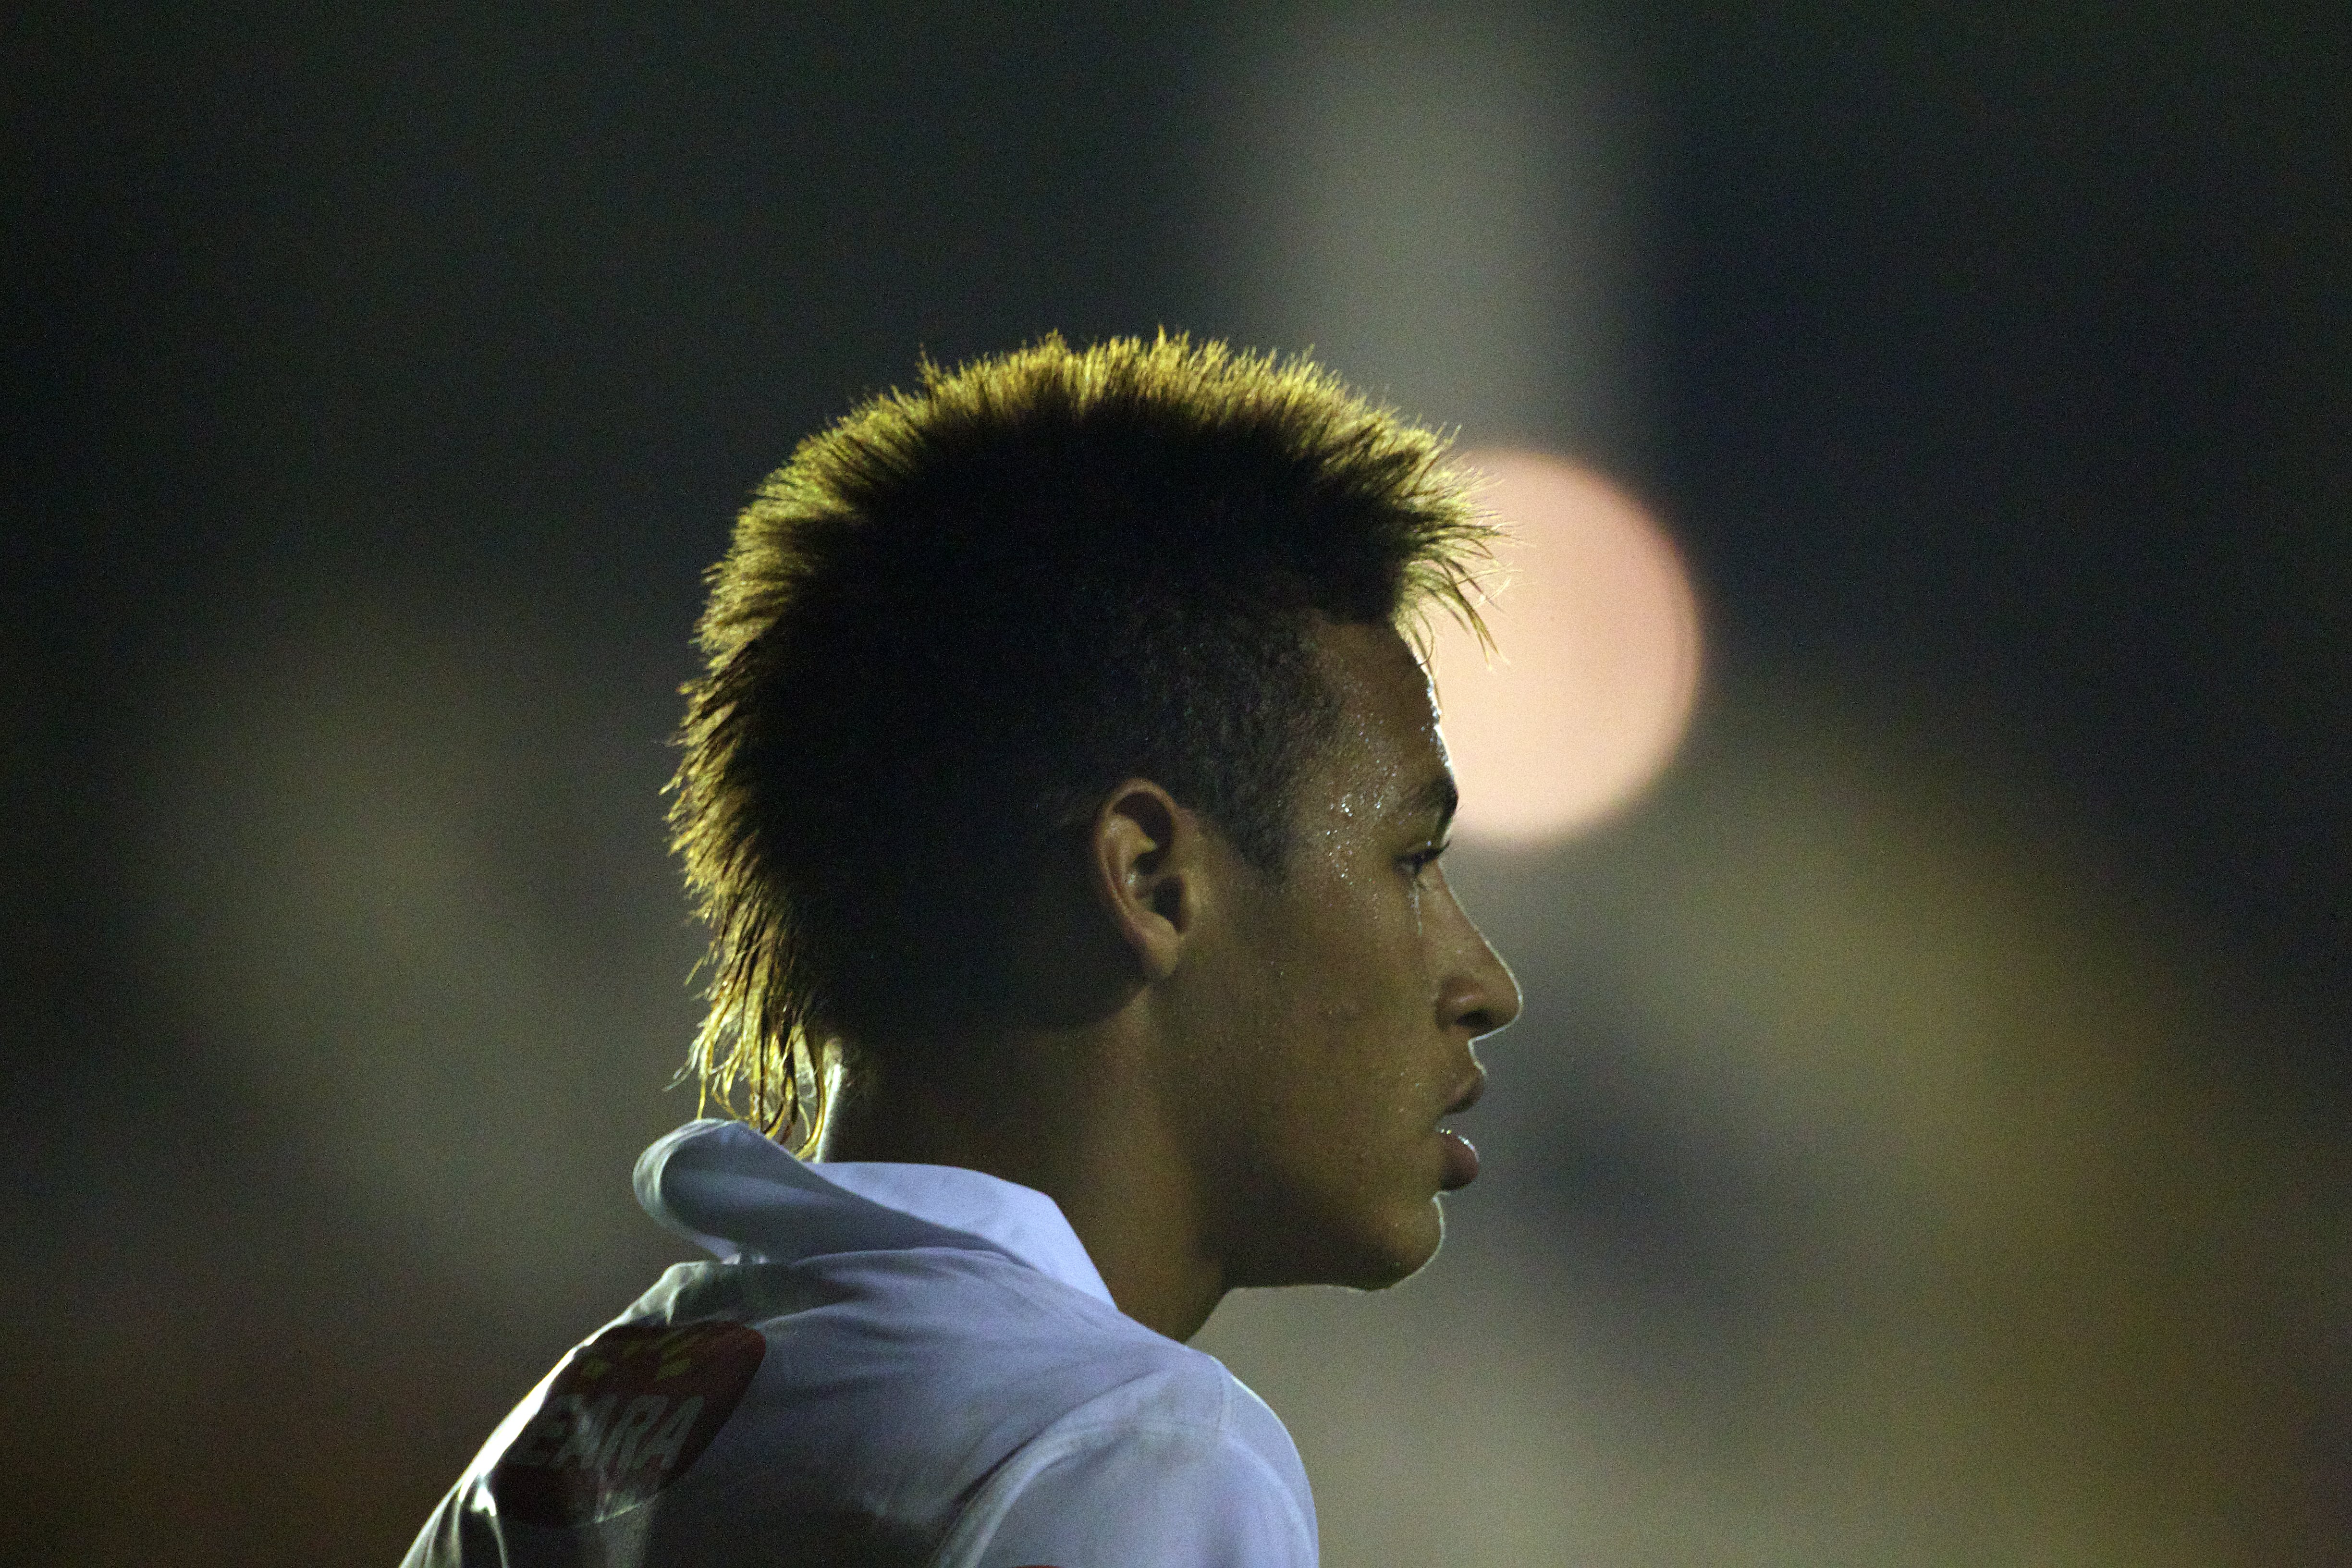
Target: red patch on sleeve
x: 625, y: 1417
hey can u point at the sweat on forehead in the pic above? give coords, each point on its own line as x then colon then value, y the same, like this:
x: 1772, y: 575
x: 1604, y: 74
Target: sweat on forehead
x: 1383, y: 753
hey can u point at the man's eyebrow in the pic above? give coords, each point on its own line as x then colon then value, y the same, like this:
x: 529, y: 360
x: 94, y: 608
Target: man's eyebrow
x: 1439, y: 797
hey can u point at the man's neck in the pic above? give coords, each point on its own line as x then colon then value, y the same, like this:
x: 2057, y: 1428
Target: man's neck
x: 1069, y: 1116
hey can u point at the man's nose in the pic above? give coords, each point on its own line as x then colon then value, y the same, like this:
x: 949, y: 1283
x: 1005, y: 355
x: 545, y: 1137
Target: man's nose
x: 1481, y: 994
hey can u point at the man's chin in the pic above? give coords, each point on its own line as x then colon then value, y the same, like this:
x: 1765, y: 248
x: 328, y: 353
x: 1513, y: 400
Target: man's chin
x: 1360, y: 1256
x: 1402, y: 1253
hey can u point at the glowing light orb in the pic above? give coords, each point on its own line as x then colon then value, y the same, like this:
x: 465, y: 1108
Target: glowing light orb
x: 1597, y: 633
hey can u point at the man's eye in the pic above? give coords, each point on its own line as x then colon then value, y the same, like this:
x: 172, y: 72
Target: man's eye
x: 1421, y: 860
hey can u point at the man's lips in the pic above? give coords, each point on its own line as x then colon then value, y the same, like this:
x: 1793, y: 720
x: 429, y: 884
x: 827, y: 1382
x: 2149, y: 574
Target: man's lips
x: 1461, y: 1161
x: 1460, y: 1156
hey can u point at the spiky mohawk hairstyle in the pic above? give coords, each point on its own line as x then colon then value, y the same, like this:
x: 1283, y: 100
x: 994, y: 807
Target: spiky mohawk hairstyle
x: 955, y: 619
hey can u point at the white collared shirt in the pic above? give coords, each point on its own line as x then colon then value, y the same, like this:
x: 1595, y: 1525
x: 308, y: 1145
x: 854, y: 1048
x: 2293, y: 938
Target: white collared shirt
x: 888, y: 1365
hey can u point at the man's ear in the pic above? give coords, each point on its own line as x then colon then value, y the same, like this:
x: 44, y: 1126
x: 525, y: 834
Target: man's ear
x: 1147, y: 858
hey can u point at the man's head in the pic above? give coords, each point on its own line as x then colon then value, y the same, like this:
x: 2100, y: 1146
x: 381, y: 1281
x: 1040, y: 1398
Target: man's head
x: 955, y: 620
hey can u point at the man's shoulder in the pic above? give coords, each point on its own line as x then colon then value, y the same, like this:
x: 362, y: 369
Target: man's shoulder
x: 969, y: 1394
x: 926, y: 1367
x: 908, y: 1393
x: 959, y: 1336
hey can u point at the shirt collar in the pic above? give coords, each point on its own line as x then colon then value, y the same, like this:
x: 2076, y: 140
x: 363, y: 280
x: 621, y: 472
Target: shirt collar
x: 725, y: 1187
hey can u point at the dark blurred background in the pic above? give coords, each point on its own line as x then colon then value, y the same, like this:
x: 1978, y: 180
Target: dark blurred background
x: 1928, y: 1139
